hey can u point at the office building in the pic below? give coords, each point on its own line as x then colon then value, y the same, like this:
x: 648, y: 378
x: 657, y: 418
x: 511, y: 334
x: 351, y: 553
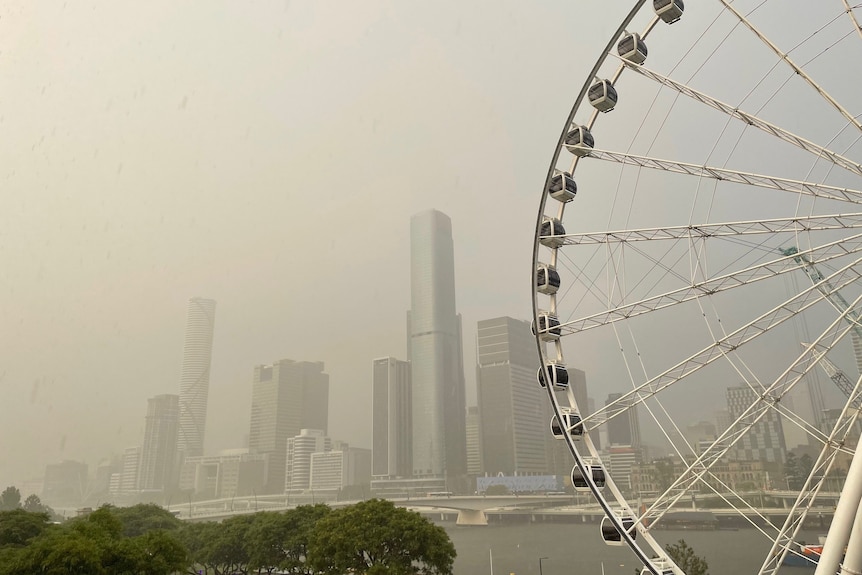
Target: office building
x: 474, y: 442
x: 195, y: 377
x: 513, y: 413
x: 764, y: 441
x: 232, y: 473
x: 158, y: 454
x: 434, y: 343
x: 339, y: 468
x: 392, y: 419
x: 287, y: 396
x: 299, y: 452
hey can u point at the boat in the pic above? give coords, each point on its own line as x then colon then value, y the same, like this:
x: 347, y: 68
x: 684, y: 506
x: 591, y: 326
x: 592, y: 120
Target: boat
x: 803, y: 556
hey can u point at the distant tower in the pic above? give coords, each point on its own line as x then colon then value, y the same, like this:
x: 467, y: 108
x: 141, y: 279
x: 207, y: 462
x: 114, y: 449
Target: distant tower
x: 158, y: 454
x: 513, y: 417
x: 624, y: 429
x: 392, y: 419
x: 195, y: 379
x: 439, y: 409
x: 286, y: 397
x: 299, y: 451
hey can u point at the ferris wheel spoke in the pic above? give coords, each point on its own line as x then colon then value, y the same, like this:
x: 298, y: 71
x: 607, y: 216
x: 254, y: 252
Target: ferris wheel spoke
x: 796, y: 68
x: 746, y: 420
x: 747, y: 276
x: 849, y: 10
x: 706, y: 230
x: 796, y: 304
x: 749, y: 119
x: 724, y: 174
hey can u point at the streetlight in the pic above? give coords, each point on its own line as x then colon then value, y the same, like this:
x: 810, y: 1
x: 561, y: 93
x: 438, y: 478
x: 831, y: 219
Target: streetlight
x: 540, y: 564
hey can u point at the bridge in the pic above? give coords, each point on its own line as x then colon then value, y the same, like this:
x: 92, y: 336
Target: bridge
x: 472, y: 509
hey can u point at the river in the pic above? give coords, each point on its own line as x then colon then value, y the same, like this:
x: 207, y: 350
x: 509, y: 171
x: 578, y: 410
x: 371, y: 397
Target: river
x: 578, y: 549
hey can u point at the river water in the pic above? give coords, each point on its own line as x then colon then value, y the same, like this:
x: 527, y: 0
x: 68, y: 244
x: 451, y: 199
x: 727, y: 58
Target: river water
x: 578, y: 549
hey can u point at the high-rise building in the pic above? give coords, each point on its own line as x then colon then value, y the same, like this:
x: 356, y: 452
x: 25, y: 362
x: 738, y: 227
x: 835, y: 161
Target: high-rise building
x: 299, y: 452
x: 624, y: 429
x: 439, y: 416
x: 474, y: 442
x: 764, y: 441
x: 195, y: 377
x: 287, y: 396
x: 65, y: 483
x: 392, y: 419
x: 513, y: 413
x: 158, y: 454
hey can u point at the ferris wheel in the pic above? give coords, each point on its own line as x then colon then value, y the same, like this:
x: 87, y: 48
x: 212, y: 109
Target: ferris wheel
x: 698, y: 251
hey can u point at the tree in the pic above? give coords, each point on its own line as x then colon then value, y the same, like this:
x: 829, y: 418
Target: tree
x: 792, y: 471
x: 280, y: 540
x: 497, y: 490
x: 18, y: 527
x: 10, y: 499
x: 145, y: 517
x: 684, y: 557
x: 375, y: 537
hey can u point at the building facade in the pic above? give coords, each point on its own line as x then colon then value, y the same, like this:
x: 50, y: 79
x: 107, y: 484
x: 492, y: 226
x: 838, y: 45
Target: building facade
x: 624, y: 429
x: 513, y: 414
x: 474, y: 442
x: 392, y: 419
x: 339, y: 468
x: 287, y: 396
x: 434, y: 343
x: 764, y: 441
x: 195, y: 376
x: 159, y: 451
x: 299, y: 451
x: 233, y: 473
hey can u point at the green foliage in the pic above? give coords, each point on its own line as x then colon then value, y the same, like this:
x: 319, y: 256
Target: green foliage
x: 10, y: 499
x: 18, y: 527
x: 684, y: 557
x: 145, y: 517
x: 375, y: 537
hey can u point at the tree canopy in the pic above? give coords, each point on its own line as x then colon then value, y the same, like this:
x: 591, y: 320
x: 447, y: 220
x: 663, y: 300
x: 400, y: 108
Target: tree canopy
x: 375, y: 536
x: 684, y: 557
x: 10, y: 499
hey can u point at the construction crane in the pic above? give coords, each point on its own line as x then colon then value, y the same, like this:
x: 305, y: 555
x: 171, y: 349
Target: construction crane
x: 822, y: 285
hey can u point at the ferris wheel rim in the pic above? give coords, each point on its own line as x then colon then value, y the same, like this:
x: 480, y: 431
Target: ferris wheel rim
x: 546, y: 360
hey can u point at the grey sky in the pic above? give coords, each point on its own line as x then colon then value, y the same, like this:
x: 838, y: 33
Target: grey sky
x: 267, y: 155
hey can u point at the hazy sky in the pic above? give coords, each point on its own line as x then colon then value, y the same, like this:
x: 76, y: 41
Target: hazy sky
x: 267, y: 155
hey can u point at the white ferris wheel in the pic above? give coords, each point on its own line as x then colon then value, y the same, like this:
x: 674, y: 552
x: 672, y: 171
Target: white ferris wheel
x: 706, y: 234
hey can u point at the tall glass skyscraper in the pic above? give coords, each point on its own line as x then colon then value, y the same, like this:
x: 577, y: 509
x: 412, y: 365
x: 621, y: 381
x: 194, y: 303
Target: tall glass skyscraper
x: 158, y: 454
x: 439, y: 417
x: 195, y: 378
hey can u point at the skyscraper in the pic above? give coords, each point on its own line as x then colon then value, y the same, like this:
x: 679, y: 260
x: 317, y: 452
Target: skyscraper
x: 195, y: 378
x: 512, y: 413
x: 439, y: 428
x: 158, y: 454
x: 624, y: 429
x: 286, y: 397
x: 392, y: 419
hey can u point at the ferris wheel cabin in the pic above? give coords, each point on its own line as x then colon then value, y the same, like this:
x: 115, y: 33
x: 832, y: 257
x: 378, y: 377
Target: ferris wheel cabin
x: 579, y: 141
x: 563, y: 187
x: 632, y: 49
x: 551, y: 232
x: 549, y: 327
x: 603, y: 96
x: 557, y: 374
x: 668, y: 10
x: 597, y: 473
x: 547, y: 280
x: 609, y: 531
x: 571, y: 421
